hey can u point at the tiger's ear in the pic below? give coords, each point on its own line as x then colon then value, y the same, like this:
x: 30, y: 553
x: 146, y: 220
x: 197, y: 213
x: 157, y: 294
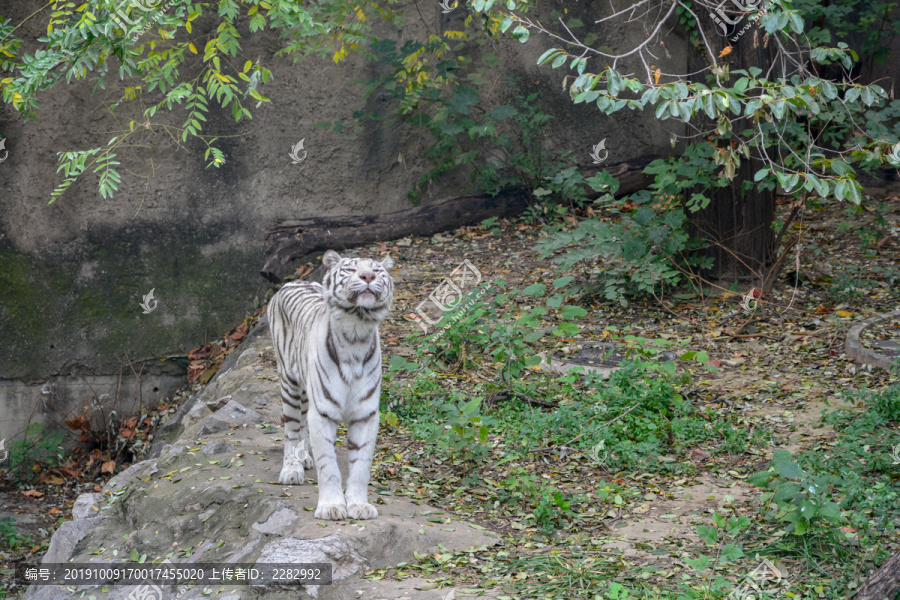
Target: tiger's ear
x: 387, y: 263
x: 331, y: 258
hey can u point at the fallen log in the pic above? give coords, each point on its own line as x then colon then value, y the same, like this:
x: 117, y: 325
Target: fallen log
x: 296, y: 238
x: 884, y: 582
x: 292, y: 239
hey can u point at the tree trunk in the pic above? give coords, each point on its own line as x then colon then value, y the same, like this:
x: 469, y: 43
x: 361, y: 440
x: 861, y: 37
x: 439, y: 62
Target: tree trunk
x: 293, y: 239
x: 883, y: 584
x: 737, y: 224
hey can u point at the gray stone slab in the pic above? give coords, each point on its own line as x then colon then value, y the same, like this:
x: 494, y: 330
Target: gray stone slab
x: 231, y: 415
x: 84, y: 507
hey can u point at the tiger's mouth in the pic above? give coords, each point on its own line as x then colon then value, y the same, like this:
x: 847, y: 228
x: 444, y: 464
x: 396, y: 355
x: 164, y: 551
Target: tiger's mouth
x: 366, y: 297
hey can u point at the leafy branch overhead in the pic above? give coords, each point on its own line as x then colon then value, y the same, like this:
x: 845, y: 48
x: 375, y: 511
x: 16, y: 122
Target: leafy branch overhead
x: 169, y: 62
x: 162, y: 50
x: 807, y: 131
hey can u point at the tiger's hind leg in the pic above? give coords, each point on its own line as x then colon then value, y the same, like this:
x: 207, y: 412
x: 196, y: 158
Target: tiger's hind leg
x: 294, y: 407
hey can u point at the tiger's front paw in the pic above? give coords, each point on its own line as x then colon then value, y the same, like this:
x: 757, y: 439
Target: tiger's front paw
x: 362, y: 511
x: 332, y: 512
x: 291, y: 474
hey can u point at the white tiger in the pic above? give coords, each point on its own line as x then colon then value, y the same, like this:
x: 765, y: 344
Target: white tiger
x: 328, y: 350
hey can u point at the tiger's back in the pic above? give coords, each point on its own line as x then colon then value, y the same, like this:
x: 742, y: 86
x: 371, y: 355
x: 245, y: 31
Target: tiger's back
x: 293, y: 312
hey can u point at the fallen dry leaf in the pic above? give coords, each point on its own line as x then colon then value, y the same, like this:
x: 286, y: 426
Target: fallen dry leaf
x: 698, y: 455
x: 33, y: 494
x: 199, y: 353
x: 240, y: 332
x: 195, y: 369
x: 71, y: 470
x: 108, y: 467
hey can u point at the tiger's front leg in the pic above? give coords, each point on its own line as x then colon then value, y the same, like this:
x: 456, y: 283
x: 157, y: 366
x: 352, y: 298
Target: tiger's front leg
x: 322, y: 436
x: 361, y: 434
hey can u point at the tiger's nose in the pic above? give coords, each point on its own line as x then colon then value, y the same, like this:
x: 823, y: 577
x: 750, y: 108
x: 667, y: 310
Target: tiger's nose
x: 367, y: 276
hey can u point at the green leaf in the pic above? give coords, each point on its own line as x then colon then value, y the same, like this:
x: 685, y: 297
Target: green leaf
x: 701, y: 563
x: 470, y: 406
x: 547, y: 55
x: 398, y: 363
x: 784, y: 465
x: 563, y: 281
x: 840, y: 189
x: 536, y: 289
x: 644, y: 215
x: 855, y: 195
x: 572, y: 312
x: 840, y: 167
x: 830, y: 511
x: 731, y: 553
x: 786, y: 490
x: 709, y: 535
x: 566, y: 329
x: 502, y: 112
x: 520, y: 33
x: 760, y: 479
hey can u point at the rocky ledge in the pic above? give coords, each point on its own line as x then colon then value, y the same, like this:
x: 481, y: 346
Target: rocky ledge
x: 211, y: 495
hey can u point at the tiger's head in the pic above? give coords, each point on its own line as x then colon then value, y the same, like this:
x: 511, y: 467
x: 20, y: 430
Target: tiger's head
x: 358, y: 285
